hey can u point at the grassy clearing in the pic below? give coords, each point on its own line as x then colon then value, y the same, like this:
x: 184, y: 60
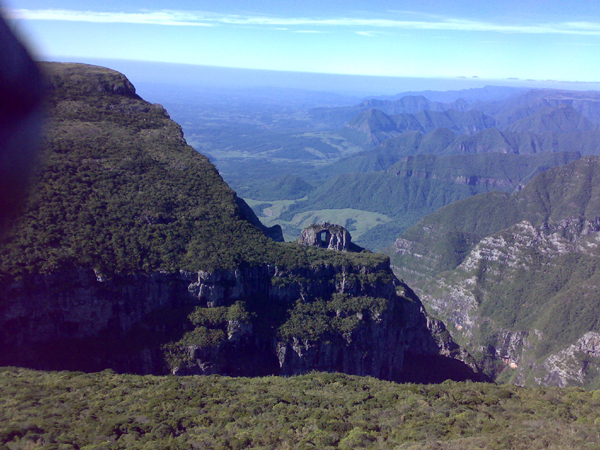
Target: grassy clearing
x: 356, y: 221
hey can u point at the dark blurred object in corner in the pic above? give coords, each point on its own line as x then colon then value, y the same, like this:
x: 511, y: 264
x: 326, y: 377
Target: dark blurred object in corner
x: 21, y: 96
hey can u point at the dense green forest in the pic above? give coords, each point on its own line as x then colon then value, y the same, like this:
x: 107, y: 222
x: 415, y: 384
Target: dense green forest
x: 118, y: 189
x: 124, y: 203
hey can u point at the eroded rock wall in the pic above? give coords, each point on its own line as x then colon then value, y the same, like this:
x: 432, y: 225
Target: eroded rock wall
x: 84, y: 309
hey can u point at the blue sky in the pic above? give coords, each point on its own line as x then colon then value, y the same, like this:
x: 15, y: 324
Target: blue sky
x: 541, y: 40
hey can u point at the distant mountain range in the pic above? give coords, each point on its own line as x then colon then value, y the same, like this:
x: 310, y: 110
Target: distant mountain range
x: 527, y: 103
x: 484, y: 94
x: 511, y: 106
x: 379, y: 126
x: 336, y: 117
x: 410, y: 187
x: 574, y: 133
x: 496, y: 121
x: 554, y: 119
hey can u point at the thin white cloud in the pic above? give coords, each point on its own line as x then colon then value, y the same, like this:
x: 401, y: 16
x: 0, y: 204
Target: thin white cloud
x: 580, y: 44
x: 309, y: 31
x: 172, y: 18
x: 186, y: 18
x: 369, y: 33
x: 416, y: 13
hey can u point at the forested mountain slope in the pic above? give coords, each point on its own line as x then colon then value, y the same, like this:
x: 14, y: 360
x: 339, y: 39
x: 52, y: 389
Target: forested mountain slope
x: 111, y: 187
x: 516, y: 275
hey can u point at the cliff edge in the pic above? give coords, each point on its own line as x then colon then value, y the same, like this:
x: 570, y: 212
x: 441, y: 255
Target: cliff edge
x: 132, y: 253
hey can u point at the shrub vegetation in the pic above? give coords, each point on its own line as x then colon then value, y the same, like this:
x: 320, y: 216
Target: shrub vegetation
x: 72, y: 410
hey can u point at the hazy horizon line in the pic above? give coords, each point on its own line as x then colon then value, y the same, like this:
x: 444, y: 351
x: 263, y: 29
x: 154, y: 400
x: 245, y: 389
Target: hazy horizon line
x: 356, y: 83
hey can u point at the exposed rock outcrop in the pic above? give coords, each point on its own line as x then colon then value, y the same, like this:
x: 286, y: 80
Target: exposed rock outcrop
x: 330, y: 236
x: 492, y: 300
x: 575, y: 365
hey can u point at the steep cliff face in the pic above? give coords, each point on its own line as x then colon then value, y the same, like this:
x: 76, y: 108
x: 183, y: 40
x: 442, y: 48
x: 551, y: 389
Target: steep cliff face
x: 525, y: 295
x: 521, y: 297
x: 131, y: 253
x: 255, y: 321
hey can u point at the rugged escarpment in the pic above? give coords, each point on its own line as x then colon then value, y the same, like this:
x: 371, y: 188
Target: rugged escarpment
x: 131, y: 253
x: 526, y: 294
x: 516, y: 276
x: 252, y: 320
